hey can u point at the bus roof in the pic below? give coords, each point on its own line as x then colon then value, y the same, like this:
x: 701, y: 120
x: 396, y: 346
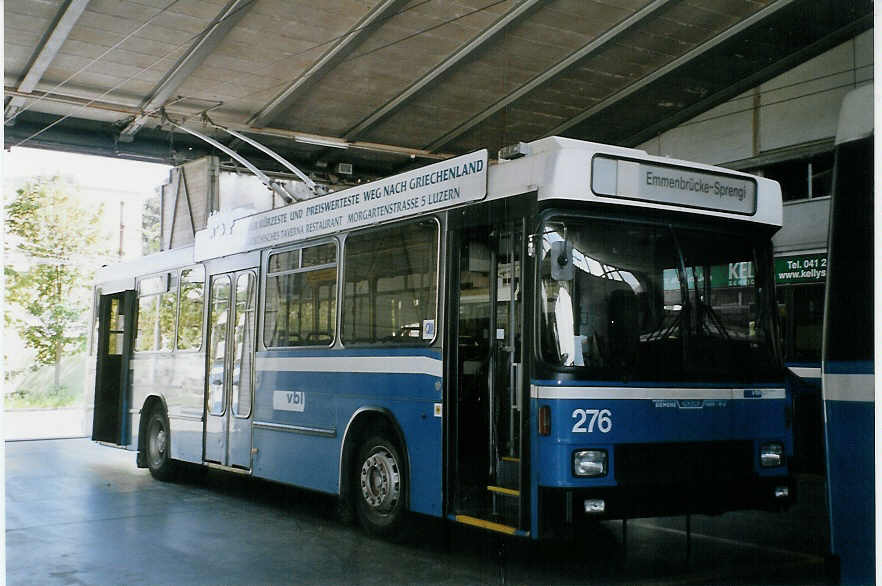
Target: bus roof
x: 554, y: 168
x: 576, y: 170
x: 121, y: 276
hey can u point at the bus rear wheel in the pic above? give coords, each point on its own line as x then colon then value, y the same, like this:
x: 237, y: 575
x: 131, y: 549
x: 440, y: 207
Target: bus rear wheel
x: 380, y: 488
x: 158, y: 444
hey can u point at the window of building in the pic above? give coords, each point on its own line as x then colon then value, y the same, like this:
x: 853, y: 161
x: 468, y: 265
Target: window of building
x: 802, y: 317
x: 803, y: 178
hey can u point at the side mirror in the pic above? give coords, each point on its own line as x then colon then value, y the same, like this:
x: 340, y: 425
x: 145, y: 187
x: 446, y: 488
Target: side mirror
x: 562, y: 261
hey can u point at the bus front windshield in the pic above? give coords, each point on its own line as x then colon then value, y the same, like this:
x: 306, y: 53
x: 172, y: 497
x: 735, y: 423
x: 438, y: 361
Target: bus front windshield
x: 631, y: 301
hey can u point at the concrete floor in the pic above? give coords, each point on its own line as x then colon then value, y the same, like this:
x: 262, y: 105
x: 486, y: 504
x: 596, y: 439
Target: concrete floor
x: 25, y: 424
x: 79, y: 513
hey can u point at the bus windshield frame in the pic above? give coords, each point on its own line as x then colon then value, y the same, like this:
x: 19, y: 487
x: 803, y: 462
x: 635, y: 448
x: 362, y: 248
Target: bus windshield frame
x: 644, y: 301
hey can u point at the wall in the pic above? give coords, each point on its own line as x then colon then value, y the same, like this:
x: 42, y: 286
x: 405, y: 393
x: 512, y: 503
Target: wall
x: 187, y: 199
x: 787, y: 117
x: 198, y: 188
x: 795, y: 108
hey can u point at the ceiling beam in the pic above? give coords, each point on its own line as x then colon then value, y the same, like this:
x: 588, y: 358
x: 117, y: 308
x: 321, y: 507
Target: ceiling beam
x: 744, y: 84
x: 296, y: 136
x: 193, y: 58
x: 463, y: 52
x: 550, y: 73
x: 64, y: 23
x: 738, y: 28
x: 326, y: 62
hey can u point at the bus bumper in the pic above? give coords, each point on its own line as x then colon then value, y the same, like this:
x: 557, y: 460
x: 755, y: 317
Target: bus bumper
x: 567, y: 508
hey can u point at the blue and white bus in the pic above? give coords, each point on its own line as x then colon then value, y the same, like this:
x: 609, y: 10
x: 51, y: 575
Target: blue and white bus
x: 573, y: 332
x: 848, y: 357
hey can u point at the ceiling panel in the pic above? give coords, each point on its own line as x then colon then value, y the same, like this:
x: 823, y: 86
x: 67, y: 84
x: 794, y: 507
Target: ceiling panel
x: 517, y: 81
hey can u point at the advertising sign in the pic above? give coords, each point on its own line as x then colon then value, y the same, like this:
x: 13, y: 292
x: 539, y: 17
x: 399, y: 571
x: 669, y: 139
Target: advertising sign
x: 430, y: 188
x: 733, y: 274
x: 801, y: 268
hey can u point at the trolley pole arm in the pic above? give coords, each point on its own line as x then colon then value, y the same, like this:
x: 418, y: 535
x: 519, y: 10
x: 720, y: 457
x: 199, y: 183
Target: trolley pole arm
x: 270, y: 184
x: 312, y: 185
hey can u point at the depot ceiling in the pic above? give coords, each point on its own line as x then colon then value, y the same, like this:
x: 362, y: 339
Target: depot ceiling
x: 388, y: 84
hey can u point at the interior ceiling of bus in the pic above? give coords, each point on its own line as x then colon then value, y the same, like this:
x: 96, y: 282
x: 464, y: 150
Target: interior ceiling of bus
x: 387, y: 85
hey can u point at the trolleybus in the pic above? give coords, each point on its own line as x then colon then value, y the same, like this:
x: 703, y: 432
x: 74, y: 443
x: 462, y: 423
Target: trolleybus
x: 848, y: 368
x: 573, y: 332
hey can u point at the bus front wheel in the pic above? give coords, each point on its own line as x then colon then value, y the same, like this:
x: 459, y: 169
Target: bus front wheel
x: 380, y: 488
x: 158, y: 445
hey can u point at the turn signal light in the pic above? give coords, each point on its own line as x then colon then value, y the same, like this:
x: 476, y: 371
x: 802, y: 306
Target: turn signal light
x: 545, y: 420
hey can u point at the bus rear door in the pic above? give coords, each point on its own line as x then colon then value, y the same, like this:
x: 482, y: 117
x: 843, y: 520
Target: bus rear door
x: 229, y: 369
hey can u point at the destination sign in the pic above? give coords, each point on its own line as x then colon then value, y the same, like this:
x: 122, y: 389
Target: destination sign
x: 674, y: 185
x: 430, y: 188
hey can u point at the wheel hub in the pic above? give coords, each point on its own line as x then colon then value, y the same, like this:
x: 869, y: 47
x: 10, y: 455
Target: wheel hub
x: 380, y: 483
x: 157, y: 442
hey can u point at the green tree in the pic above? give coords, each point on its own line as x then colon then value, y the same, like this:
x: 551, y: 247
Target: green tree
x: 150, y: 226
x: 52, y: 243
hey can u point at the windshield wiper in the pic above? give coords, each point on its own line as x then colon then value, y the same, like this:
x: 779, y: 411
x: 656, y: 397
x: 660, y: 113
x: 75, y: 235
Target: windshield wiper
x: 708, y: 310
x: 663, y: 332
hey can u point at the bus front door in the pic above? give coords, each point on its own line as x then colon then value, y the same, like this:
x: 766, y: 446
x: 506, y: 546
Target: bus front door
x: 230, y: 373
x: 488, y: 417
x: 112, y: 369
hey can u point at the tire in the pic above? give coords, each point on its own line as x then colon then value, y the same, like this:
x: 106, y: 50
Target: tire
x: 380, y: 488
x: 157, y: 444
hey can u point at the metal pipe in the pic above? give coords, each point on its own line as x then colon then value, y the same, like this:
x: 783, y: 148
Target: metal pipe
x: 303, y: 137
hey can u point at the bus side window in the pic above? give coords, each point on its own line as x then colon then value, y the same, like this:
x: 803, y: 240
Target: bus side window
x: 190, y: 309
x: 157, y: 310
x: 301, y: 297
x: 168, y: 302
x: 390, y: 295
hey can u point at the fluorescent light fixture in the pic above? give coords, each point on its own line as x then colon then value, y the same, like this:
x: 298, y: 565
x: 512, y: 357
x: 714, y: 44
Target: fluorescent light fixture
x: 325, y: 141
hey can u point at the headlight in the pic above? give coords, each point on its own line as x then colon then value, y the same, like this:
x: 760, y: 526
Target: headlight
x: 589, y: 463
x: 771, y: 455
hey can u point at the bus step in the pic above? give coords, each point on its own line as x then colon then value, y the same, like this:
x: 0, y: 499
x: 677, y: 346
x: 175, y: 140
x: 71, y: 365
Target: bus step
x: 506, y: 503
x: 504, y: 491
x: 475, y: 522
x: 508, y: 473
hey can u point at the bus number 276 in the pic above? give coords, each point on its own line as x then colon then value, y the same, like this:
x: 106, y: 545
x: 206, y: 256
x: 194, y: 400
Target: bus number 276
x: 602, y: 418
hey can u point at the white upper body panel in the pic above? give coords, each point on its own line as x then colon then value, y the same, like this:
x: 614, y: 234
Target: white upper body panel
x: 121, y: 276
x: 555, y: 168
x: 564, y: 169
x: 856, y: 115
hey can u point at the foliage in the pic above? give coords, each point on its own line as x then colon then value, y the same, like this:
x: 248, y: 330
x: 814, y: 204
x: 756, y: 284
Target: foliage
x: 36, y: 390
x: 150, y: 226
x: 51, y: 244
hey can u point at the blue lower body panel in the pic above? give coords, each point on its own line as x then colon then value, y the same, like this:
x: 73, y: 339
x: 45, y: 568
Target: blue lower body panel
x: 667, y: 450
x: 305, y: 403
x: 850, y: 477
